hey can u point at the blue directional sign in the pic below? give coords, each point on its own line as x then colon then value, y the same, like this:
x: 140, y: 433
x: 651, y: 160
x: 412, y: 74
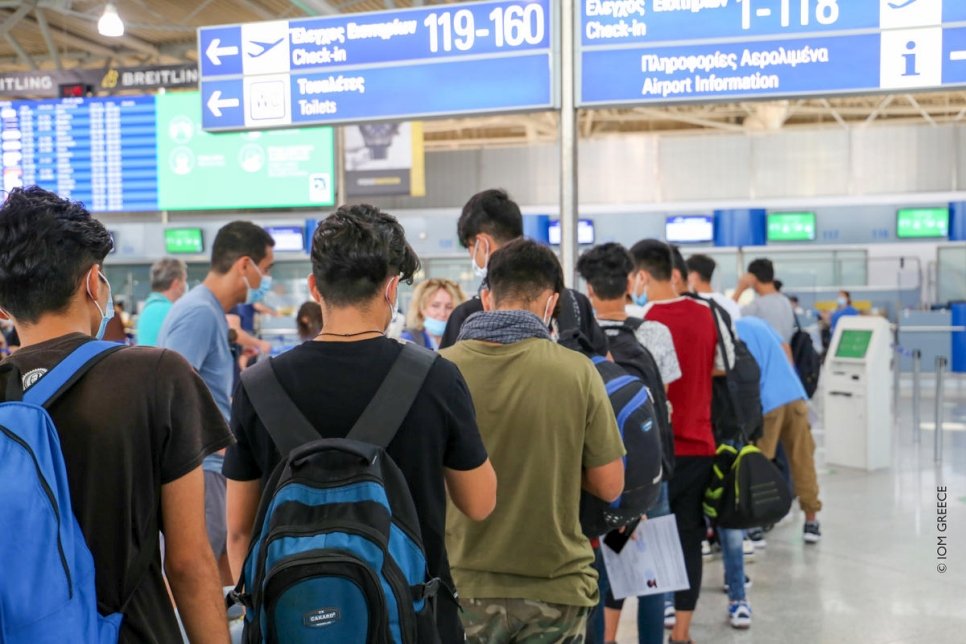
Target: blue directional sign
x: 644, y: 51
x: 465, y: 58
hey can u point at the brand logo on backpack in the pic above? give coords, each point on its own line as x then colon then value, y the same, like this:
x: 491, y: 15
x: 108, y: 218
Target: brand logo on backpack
x: 321, y: 618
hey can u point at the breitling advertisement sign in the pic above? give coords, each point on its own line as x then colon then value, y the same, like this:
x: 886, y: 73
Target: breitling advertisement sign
x: 111, y: 80
x: 385, y: 159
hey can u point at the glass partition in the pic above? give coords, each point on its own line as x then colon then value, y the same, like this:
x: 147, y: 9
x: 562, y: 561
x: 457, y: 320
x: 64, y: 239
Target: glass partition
x: 951, y: 274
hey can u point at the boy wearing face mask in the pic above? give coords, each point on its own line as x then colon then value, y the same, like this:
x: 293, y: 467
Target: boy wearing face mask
x: 526, y: 573
x: 489, y: 221
x: 133, y: 429
x: 196, y: 327
x: 359, y: 257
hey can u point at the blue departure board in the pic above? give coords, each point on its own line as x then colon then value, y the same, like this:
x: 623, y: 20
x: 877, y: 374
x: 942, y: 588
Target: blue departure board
x: 447, y: 59
x: 100, y: 151
x: 650, y: 51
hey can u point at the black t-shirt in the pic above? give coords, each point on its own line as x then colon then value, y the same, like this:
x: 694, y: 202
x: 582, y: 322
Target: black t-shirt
x: 137, y: 420
x: 332, y: 383
x: 582, y: 313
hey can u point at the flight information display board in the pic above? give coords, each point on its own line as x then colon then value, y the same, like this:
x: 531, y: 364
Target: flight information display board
x: 642, y: 51
x: 198, y: 170
x: 100, y: 151
x: 464, y: 58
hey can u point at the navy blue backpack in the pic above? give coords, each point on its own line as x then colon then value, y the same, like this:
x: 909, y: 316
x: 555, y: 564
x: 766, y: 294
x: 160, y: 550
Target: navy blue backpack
x: 47, y: 593
x: 336, y: 552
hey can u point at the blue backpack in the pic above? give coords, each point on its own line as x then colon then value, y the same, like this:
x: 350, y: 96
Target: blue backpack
x: 336, y: 552
x: 47, y: 593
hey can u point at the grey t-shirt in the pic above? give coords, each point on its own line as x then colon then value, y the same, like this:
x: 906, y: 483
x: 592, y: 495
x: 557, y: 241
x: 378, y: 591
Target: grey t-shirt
x: 776, y: 310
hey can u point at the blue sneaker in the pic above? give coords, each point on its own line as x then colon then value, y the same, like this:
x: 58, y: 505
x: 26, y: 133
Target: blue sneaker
x: 740, y: 614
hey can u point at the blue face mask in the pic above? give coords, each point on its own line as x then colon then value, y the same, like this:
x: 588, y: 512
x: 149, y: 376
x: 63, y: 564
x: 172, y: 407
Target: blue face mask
x: 843, y: 302
x: 640, y: 300
x: 108, y: 315
x: 434, y: 327
x: 256, y: 295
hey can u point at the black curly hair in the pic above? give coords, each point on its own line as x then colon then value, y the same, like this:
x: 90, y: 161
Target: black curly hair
x: 606, y: 268
x: 355, y: 249
x: 47, y: 246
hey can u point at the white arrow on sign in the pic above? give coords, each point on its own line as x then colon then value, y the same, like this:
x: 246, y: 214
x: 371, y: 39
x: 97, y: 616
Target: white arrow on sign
x: 216, y: 102
x: 215, y: 51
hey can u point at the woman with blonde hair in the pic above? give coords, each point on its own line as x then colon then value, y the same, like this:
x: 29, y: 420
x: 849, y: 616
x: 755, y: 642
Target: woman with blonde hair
x: 433, y: 302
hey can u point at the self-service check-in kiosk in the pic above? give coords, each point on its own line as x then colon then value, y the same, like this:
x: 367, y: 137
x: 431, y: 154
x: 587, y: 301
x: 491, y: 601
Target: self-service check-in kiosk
x: 858, y: 387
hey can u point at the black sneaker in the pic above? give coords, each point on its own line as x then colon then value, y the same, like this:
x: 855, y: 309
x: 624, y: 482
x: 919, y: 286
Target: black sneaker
x: 757, y: 537
x: 812, y: 533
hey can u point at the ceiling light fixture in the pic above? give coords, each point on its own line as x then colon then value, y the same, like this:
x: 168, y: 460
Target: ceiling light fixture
x: 110, y: 23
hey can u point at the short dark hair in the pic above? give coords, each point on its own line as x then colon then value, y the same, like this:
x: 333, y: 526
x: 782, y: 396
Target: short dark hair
x: 653, y: 256
x: 355, y: 249
x: 606, y: 268
x: 677, y: 261
x: 763, y: 270
x: 492, y: 212
x: 848, y: 296
x: 47, y: 246
x: 308, y: 320
x: 702, y: 265
x: 522, y: 270
x: 236, y: 240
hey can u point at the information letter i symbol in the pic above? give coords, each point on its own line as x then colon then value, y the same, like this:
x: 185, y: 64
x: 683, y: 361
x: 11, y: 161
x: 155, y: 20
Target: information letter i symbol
x: 910, y: 58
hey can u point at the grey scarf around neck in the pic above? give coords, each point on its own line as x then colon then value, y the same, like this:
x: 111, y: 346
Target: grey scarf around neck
x: 503, y: 327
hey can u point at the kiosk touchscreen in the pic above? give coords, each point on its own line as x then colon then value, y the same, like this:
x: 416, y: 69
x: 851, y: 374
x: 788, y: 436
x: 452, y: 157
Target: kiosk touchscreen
x: 858, y: 384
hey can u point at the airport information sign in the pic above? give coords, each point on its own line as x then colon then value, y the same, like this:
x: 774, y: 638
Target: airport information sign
x: 463, y: 58
x: 644, y: 51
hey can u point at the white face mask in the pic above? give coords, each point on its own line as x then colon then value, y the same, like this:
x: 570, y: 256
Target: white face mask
x: 547, y: 313
x: 393, y: 306
x: 481, y: 272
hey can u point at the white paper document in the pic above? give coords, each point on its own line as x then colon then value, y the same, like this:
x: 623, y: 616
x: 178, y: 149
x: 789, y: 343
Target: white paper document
x: 650, y: 563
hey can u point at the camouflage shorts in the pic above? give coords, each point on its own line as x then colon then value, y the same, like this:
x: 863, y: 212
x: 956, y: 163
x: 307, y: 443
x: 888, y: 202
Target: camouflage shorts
x: 502, y: 621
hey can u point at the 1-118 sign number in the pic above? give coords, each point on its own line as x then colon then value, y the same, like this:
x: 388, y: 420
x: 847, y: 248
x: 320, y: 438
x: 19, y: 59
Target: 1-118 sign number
x: 826, y: 12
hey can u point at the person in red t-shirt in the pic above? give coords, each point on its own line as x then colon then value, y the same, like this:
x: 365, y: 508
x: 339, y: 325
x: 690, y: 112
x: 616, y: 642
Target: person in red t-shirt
x: 695, y: 340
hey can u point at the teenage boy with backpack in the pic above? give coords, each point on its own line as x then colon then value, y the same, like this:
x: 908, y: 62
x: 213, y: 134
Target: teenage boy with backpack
x: 133, y: 431
x: 527, y: 571
x: 359, y: 257
x: 609, y: 272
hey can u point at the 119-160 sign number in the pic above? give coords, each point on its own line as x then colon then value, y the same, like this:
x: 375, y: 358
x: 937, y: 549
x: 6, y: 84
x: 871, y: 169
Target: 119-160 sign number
x: 512, y: 27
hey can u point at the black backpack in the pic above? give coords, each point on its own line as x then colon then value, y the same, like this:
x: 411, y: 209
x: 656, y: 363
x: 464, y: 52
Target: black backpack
x: 808, y: 363
x: 635, y: 415
x: 753, y: 493
x: 635, y: 358
x: 735, y: 397
x: 336, y: 552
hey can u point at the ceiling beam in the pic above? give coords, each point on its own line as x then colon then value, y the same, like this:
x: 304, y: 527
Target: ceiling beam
x: 48, y: 40
x: 21, y: 53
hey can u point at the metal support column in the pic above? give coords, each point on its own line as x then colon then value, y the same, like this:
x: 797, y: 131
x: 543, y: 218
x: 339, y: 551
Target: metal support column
x: 938, y: 442
x: 568, y: 143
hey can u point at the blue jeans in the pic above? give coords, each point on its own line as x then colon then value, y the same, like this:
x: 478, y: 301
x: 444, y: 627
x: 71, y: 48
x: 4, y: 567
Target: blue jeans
x: 734, y: 562
x: 650, y: 608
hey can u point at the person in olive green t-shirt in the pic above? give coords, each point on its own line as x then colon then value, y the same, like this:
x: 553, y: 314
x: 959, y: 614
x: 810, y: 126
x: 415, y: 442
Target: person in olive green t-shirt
x: 547, y: 423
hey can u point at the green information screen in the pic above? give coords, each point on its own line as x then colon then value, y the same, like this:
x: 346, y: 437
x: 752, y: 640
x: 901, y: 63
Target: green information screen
x: 853, y: 344
x: 922, y: 223
x: 271, y: 169
x: 791, y: 226
x: 183, y: 240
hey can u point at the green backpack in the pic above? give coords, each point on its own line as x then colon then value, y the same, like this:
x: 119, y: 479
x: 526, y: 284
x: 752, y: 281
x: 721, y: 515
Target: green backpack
x: 746, y: 490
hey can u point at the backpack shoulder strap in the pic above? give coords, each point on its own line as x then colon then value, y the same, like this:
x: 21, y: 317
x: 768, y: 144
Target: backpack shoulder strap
x: 633, y: 323
x: 386, y: 411
x: 55, y: 383
x: 287, y: 426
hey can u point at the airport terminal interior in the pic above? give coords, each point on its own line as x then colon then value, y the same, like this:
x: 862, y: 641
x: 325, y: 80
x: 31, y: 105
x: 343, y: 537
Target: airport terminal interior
x: 827, y: 136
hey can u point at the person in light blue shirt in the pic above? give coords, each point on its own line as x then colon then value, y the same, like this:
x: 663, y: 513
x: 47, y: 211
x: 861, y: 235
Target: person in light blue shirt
x: 844, y: 309
x: 169, y: 282
x: 783, y: 402
x: 196, y: 327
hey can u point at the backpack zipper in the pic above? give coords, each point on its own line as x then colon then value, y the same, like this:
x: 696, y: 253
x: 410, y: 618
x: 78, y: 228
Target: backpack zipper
x: 50, y: 498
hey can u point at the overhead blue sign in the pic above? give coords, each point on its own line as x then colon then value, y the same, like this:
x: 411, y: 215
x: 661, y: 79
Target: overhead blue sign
x: 643, y: 51
x: 466, y: 58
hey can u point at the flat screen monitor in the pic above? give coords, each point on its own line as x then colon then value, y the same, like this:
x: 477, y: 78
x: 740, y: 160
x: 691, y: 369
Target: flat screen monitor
x: 288, y: 239
x: 184, y: 241
x: 585, y: 232
x: 922, y: 223
x: 853, y: 344
x: 791, y: 226
x: 689, y: 229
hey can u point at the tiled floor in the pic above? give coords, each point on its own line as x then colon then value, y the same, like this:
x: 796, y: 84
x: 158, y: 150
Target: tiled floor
x: 874, y: 578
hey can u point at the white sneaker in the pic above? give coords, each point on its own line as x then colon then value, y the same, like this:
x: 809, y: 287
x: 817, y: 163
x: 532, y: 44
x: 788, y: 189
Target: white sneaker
x: 670, y: 616
x: 740, y: 614
x: 748, y: 548
x: 705, y: 548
